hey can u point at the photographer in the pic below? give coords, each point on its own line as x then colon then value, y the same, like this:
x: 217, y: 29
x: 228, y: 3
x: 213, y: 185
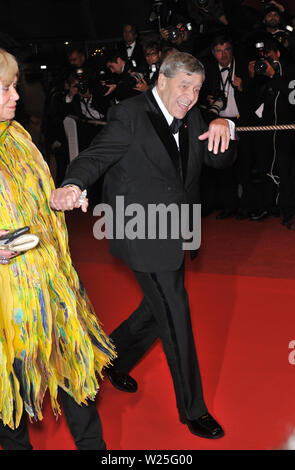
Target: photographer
x: 126, y: 77
x: 276, y: 24
x: 131, y: 49
x: 206, y: 13
x: 271, y: 93
x: 152, y: 53
x: 83, y: 101
x: 224, y: 95
x: 179, y: 37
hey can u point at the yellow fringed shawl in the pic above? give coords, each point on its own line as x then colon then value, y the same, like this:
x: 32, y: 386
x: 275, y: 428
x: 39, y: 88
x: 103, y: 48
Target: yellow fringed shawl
x: 46, y: 319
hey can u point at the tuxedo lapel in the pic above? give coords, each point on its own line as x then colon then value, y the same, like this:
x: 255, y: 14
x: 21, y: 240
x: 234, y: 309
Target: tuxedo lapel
x: 184, y: 148
x: 162, y: 128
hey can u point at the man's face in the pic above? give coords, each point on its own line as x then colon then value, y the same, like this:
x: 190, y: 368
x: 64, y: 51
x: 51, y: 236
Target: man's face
x: 116, y: 67
x: 152, y: 56
x: 129, y: 35
x: 223, y: 54
x: 77, y: 59
x: 272, y: 19
x: 180, y: 93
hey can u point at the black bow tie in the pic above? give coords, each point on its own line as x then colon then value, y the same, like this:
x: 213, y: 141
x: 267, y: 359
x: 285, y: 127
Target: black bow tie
x: 128, y: 47
x: 175, y: 125
x: 224, y: 69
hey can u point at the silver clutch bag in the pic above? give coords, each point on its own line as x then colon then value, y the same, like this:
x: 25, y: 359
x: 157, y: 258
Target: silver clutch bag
x: 19, y: 240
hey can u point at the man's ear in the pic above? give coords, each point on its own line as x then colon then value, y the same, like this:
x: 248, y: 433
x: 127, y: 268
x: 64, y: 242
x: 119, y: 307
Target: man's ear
x: 161, y: 81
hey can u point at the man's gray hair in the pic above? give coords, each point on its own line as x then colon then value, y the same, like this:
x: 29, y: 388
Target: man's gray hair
x: 181, y: 62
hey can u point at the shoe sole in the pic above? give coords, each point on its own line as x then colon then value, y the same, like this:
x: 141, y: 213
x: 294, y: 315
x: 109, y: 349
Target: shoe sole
x: 219, y: 436
x: 121, y: 388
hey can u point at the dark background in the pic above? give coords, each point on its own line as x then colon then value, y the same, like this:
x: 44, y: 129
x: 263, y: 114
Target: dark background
x: 80, y: 19
x: 47, y: 21
x: 70, y: 19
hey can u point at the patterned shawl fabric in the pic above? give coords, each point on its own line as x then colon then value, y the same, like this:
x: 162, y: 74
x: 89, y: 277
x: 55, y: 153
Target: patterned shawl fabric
x: 47, y: 322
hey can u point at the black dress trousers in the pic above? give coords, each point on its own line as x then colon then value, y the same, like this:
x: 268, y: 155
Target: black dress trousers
x: 164, y: 312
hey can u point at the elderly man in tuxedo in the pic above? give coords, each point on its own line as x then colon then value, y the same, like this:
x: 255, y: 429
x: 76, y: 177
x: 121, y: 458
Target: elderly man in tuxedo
x: 152, y: 151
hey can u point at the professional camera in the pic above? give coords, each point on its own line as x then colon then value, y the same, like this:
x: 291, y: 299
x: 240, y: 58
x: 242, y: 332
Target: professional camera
x: 83, y: 83
x: 104, y: 78
x: 219, y: 103
x: 283, y: 34
x: 174, y: 32
x: 134, y: 74
x: 260, y: 65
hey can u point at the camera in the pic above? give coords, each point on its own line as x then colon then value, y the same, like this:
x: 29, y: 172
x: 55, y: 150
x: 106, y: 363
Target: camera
x: 134, y: 75
x: 83, y: 83
x: 174, y: 32
x: 104, y: 78
x: 282, y: 34
x: 219, y: 102
x: 260, y: 65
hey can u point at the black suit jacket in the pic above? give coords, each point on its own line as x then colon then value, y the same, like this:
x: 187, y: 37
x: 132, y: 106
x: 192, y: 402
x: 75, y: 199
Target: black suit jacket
x: 137, y: 53
x: 140, y: 157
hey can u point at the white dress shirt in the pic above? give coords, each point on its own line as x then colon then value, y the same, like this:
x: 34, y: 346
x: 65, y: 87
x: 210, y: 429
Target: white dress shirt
x: 231, y: 109
x: 130, y: 49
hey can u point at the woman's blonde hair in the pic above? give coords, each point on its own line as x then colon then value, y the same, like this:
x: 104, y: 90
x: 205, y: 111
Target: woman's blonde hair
x: 8, y: 67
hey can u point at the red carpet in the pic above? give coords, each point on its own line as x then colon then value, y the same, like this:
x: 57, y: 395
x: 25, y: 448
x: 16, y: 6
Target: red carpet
x: 242, y: 299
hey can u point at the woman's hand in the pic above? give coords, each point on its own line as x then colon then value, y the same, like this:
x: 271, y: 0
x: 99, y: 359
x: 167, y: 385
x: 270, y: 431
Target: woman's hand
x: 6, y: 255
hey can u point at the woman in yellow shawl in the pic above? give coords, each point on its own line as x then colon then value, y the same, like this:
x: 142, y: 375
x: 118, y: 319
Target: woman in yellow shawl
x: 50, y: 337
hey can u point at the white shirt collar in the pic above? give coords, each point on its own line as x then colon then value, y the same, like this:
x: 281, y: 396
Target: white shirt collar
x: 229, y: 66
x: 163, y: 108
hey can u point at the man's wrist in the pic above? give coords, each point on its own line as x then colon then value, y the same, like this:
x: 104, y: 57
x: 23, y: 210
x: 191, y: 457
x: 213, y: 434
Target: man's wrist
x: 232, y: 129
x: 76, y: 190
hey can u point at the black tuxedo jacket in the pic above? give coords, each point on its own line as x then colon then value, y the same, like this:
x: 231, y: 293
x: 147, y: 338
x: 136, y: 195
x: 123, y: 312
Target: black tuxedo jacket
x: 137, y: 53
x: 140, y: 157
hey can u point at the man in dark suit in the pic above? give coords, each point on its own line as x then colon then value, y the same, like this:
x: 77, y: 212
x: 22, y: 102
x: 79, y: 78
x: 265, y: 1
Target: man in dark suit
x: 123, y: 85
x: 130, y: 49
x: 224, y: 94
x: 149, y: 159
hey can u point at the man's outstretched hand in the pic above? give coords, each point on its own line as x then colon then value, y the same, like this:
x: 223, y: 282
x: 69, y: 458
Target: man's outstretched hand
x: 67, y: 199
x: 217, y: 134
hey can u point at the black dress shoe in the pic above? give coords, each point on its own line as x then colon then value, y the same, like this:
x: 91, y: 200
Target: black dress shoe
x: 261, y: 215
x: 205, y: 426
x: 225, y: 214
x: 122, y: 381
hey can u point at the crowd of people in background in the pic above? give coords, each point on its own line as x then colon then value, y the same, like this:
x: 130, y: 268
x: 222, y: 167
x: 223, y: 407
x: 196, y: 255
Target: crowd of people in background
x: 249, y: 59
